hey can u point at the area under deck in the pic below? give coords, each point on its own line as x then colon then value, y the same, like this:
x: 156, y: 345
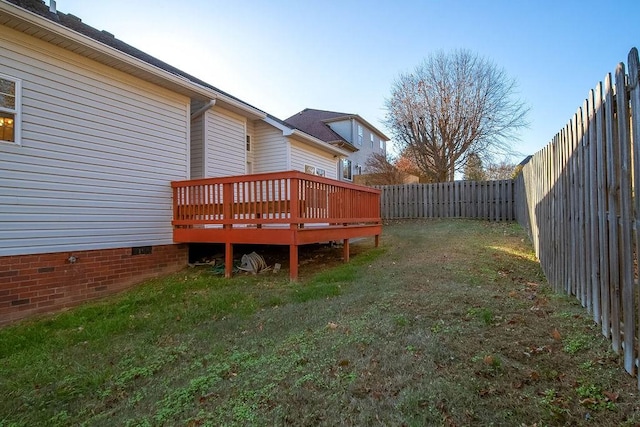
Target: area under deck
x: 284, y: 208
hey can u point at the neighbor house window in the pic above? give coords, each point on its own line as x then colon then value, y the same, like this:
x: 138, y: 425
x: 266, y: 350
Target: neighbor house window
x: 360, y: 135
x: 371, y: 141
x: 346, y: 169
x: 381, y: 145
x: 9, y: 109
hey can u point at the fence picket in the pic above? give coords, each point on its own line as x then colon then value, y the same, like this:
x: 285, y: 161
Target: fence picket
x: 613, y: 173
x: 634, y: 101
x: 624, y: 147
x: 594, y: 249
x: 603, y: 231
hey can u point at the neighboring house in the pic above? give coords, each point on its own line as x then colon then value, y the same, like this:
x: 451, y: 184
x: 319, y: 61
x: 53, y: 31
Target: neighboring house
x: 348, y: 131
x: 92, y: 132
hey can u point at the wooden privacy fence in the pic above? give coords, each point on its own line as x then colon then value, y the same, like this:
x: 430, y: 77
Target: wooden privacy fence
x: 578, y: 198
x: 492, y: 200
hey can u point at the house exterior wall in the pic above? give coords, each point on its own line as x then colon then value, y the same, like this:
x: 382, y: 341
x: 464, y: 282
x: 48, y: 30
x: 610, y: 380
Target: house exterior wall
x: 88, y: 182
x: 98, y: 151
x: 225, y: 143
x: 365, y: 149
x: 348, y: 129
x: 270, y: 149
x: 302, y: 155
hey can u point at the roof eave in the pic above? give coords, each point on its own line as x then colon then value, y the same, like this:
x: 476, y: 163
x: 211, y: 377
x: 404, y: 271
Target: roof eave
x: 341, y: 143
x: 37, y: 26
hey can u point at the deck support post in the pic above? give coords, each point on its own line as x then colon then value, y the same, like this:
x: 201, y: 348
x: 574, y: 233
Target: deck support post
x: 345, y: 250
x: 228, y: 259
x: 377, y: 240
x: 293, y: 262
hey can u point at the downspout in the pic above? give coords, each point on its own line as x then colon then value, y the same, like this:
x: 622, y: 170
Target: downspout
x: 200, y: 111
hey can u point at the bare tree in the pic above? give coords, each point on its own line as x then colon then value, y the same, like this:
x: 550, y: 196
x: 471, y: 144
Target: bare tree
x: 382, y: 171
x: 453, y: 104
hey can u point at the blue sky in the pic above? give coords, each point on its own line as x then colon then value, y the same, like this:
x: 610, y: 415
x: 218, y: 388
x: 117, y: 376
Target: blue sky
x: 286, y: 55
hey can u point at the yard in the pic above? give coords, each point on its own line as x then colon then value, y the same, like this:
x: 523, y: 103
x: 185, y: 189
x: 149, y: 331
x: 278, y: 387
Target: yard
x: 448, y: 322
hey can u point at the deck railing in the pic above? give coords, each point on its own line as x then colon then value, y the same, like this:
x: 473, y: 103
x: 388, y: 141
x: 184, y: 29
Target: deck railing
x: 292, y: 198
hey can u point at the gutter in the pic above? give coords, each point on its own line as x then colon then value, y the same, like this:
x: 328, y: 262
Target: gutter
x: 200, y: 111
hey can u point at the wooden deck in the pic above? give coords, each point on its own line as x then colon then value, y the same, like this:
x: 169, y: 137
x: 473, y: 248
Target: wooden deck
x: 283, y: 208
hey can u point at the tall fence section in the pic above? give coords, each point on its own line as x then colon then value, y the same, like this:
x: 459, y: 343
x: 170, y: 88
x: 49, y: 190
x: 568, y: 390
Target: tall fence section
x: 578, y: 198
x: 492, y: 200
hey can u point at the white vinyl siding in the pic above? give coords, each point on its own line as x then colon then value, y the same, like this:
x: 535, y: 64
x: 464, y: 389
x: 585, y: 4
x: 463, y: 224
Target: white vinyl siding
x: 225, y: 143
x: 197, y: 147
x: 302, y: 155
x: 270, y: 149
x: 99, y: 150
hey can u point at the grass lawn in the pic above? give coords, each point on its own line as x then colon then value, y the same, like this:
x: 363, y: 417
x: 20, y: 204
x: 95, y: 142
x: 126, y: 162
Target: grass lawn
x: 449, y: 322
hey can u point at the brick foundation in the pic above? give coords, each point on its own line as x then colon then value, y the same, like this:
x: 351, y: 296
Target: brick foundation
x: 42, y: 283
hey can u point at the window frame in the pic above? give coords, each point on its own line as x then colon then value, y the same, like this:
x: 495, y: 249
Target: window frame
x: 16, y: 111
x: 345, y: 163
x: 360, y: 134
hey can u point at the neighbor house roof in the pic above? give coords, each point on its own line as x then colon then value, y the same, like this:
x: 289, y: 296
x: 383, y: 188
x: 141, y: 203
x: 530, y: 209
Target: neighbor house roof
x: 313, y: 123
x: 316, y: 123
x: 525, y: 160
x: 292, y: 131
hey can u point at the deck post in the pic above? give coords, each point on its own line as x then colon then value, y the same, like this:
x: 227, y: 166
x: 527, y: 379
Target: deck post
x: 293, y: 262
x: 345, y: 250
x: 377, y: 240
x: 228, y: 259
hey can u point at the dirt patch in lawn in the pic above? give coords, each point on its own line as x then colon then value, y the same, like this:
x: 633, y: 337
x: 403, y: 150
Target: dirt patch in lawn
x: 448, y: 323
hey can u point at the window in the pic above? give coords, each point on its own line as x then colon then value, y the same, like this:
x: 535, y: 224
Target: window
x: 248, y: 142
x: 360, y: 135
x: 346, y: 169
x: 381, y: 144
x: 310, y: 169
x: 9, y: 109
x: 371, y: 135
